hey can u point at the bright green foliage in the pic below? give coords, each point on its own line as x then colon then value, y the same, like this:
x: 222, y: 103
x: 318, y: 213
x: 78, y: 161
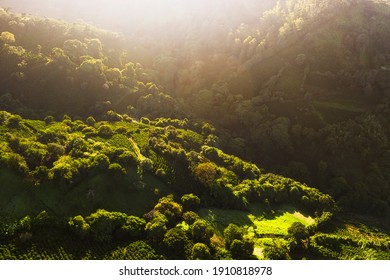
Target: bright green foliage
x: 170, y: 209
x: 299, y: 88
x: 79, y: 226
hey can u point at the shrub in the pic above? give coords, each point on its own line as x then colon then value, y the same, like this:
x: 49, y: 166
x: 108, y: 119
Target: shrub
x: 103, y: 224
x: 79, y: 226
x: 242, y: 249
x: 14, y: 121
x: 190, y: 217
x: 116, y: 169
x: 190, y: 202
x: 90, y: 121
x: 113, y: 116
x: 177, y: 243
x: 232, y: 232
x: 172, y: 210
x: 134, y: 227
x: 49, y: 119
x: 202, y: 231
x: 200, y: 251
x: 105, y: 131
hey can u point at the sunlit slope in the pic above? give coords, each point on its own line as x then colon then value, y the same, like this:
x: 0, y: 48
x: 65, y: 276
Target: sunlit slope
x: 104, y: 164
x: 306, y: 86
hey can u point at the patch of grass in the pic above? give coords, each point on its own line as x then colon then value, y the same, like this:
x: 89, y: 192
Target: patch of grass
x: 10, y: 185
x: 279, y: 224
x: 22, y: 205
x: 349, y: 107
x: 337, y: 111
x: 221, y: 218
x: 258, y: 221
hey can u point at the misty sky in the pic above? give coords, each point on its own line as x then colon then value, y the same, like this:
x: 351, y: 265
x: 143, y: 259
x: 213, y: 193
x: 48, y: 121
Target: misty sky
x: 120, y: 15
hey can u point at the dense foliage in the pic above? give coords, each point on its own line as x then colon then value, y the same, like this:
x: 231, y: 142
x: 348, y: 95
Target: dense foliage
x: 125, y: 140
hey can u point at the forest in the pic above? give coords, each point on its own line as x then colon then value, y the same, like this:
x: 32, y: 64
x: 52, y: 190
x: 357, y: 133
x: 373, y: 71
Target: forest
x: 225, y: 130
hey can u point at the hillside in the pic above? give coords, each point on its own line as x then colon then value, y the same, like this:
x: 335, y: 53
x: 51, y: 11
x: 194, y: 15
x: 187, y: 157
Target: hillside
x: 257, y: 134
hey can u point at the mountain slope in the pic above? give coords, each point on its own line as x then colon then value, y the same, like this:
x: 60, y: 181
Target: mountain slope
x: 164, y: 141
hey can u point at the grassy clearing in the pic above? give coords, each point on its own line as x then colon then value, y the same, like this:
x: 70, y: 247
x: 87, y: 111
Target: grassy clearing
x: 349, y: 107
x: 337, y: 111
x: 258, y: 221
x: 10, y: 185
x: 279, y: 223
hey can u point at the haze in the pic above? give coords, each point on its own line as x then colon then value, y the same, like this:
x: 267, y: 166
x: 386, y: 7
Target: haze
x: 128, y: 16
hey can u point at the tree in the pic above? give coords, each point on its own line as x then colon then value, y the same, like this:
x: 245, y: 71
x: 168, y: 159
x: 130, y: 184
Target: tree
x: 242, y: 249
x: 157, y: 227
x: 205, y: 173
x: 49, y: 119
x: 113, y: 116
x: 14, y: 121
x: 134, y: 227
x: 105, y: 131
x: 200, y: 251
x: 103, y: 224
x: 79, y: 226
x: 100, y: 162
x: 190, y: 202
x: 90, y: 121
x: 276, y: 252
x: 172, y: 210
x: 232, y: 232
x: 74, y: 49
x: 297, y: 233
x: 7, y: 37
x: 190, y: 217
x: 177, y: 243
x: 94, y: 47
x: 116, y: 169
x: 202, y: 231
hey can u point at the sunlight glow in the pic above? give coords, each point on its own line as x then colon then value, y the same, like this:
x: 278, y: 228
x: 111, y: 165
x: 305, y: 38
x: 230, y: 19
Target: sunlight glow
x: 150, y: 10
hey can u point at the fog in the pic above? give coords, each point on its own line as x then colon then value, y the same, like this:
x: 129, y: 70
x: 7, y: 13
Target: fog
x: 128, y: 16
